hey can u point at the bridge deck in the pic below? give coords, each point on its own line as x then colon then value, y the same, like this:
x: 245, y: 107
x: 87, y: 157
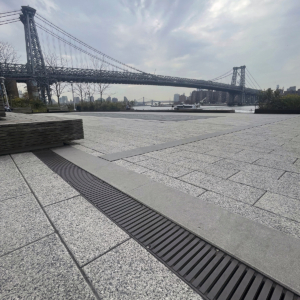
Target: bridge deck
x: 21, y: 74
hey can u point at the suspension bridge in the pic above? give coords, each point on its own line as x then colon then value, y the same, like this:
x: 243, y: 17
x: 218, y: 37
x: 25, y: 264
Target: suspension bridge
x: 54, y: 55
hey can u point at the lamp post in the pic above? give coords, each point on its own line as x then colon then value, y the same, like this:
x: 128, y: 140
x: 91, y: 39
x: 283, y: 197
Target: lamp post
x: 73, y: 94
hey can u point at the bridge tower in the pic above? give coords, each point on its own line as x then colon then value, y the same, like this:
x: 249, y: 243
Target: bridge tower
x: 35, y: 60
x: 242, y: 84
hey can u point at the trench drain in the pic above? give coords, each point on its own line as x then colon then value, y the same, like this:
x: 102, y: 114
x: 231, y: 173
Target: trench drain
x: 209, y: 271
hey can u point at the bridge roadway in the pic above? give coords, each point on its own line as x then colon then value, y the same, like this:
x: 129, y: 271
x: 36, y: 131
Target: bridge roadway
x: 21, y: 73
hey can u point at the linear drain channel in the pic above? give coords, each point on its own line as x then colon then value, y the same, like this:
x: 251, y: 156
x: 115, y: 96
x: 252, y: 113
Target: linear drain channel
x: 212, y: 273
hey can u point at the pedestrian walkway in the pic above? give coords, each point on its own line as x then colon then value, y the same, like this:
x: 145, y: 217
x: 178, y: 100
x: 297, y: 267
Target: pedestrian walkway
x: 56, y: 245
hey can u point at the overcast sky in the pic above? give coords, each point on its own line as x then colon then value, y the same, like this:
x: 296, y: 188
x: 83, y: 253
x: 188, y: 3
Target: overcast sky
x: 185, y: 38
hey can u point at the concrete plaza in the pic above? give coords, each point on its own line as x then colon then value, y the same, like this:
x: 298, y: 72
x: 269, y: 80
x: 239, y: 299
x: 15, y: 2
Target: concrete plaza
x: 243, y: 167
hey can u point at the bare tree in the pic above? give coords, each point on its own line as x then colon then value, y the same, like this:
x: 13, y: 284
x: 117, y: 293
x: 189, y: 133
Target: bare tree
x: 8, y: 54
x: 100, y: 66
x: 89, y: 89
x: 79, y: 90
x: 54, y: 61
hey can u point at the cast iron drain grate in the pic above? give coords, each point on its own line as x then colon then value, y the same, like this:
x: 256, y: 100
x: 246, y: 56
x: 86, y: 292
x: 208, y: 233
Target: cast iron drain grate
x: 209, y: 271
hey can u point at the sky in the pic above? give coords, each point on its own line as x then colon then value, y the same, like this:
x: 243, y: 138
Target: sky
x: 183, y: 38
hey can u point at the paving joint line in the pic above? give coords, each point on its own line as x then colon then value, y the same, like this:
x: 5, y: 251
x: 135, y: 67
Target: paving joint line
x: 62, y: 200
x: 110, y: 249
x: 9, y: 252
x: 61, y: 239
x: 259, y: 199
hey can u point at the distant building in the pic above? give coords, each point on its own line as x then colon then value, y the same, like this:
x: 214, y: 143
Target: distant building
x: 108, y: 99
x: 76, y: 99
x: 277, y: 87
x: 125, y: 99
x: 63, y: 99
x: 291, y: 89
x: 114, y: 100
x: 176, y: 97
x: 92, y: 99
x: 182, y: 98
x: 20, y: 93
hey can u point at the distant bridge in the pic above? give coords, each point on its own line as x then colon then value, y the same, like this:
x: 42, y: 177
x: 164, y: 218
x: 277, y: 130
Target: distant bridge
x: 37, y: 73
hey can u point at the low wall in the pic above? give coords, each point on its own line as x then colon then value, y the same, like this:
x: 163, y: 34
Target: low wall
x: 20, y: 135
x: 187, y: 110
x: 2, y: 111
x: 277, y: 111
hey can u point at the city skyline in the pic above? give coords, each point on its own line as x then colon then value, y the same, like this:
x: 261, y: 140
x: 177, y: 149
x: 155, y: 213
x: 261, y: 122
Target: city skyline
x: 170, y: 38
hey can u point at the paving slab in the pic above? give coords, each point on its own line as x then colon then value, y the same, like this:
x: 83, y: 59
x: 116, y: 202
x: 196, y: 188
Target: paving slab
x: 164, y: 167
x: 6, y: 162
x: 22, y: 221
x: 201, y: 179
x: 130, y: 166
x: 199, y: 156
x: 167, y: 157
x: 280, y: 205
x: 244, y: 193
x: 130, y: 272
x: 254, y: 213
x: 13, y: 187
x: 271, y: 163
x: 137, y: 158
x: 85, y: 230
x: 11, y: 173
x: 50, y: 189
x: 25, y: 157
x: 251, y: 168
x: 175, y: 183
x: 286, y: 188
x: 35, y: 168
x: 42, y: 270
x: 290, y: 178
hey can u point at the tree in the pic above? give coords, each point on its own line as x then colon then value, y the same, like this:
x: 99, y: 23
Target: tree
x: 100, y: 66
x: 53, y: 61
x: 79, y: 90
x: 8, y: 54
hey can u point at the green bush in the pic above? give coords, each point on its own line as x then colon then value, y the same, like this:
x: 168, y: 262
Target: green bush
x: 35, y: 104
x: 99, y: 105
x: 270, y: 99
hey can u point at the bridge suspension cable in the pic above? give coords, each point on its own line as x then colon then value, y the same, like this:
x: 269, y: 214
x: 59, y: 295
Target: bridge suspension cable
x: 4, y: 22
x: 84, y: 44
x: 219, y: 77
x: 9, y: 12
x: 253, y: 78
x: 74, y: 46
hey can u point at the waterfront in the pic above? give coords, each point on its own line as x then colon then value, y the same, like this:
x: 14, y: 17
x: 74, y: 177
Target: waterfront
x: 238, y: 109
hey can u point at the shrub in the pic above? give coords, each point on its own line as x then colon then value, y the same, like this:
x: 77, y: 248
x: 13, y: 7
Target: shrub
x: 273, y: 100
x: 101, y: 106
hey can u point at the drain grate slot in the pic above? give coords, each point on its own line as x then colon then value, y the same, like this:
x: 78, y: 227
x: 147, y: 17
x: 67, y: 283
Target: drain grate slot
x: 214, y: 274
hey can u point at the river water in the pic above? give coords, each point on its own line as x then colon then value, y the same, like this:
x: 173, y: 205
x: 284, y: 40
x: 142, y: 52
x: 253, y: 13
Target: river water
x: 238, y: 109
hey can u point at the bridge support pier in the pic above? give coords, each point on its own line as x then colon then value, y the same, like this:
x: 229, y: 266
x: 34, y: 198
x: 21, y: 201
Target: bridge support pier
x: 11, y: 88
x: 231, y: 98
x: 32, y: 89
